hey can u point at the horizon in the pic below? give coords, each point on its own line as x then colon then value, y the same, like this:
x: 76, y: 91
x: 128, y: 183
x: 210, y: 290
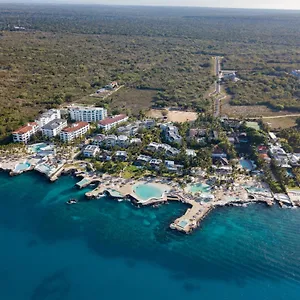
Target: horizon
x: 213, y: 4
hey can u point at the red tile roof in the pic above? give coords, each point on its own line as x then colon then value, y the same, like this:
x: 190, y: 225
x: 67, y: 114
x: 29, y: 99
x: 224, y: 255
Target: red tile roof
x: 112, y: 120
x: 76, y: 126
x: 25, y: 128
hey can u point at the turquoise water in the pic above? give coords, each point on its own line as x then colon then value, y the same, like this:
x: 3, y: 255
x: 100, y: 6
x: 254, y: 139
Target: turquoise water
x: 246, y: 164
x: 37, y: 147
x: 104, y: 249
x: 147, y: 191
x: 199, y: 187
x: 22, y: 166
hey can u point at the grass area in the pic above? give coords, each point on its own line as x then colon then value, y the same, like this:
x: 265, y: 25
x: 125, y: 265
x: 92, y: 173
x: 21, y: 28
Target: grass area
x: 293, y: 189
x: 281, y: 123
x: 244, y: 111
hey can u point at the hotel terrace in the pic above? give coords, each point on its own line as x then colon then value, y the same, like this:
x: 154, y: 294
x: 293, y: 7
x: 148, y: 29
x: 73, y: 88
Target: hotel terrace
x: 74, y: 131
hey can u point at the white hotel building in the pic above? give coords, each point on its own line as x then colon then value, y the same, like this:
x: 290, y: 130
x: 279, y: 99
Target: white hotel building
x: 48, y: 116
x: 111, y: 122
x: 87, y: 114
x: 54, y: 127
x: 74, y: 131
x: 23, y: 134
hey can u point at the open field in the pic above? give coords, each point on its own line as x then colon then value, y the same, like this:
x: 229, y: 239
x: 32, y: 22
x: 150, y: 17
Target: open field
x: 68, y: 52
x: 174, y: 115
x: 126, y: 99
x: 244, y: 111
x: 281, y: 123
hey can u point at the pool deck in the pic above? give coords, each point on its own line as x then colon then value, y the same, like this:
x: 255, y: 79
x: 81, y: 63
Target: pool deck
x: 197, y: 211
x: 126, y: 191
x: 243, y: 191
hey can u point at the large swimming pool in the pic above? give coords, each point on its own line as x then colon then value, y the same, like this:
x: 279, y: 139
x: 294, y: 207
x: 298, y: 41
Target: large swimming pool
x: 147, y: 191
x: 199, y: 187
x: 22, y: 166
x: 37, y: 147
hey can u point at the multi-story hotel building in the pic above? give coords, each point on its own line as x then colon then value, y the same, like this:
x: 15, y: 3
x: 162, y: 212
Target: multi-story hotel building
x: 23, y: 134
x: 54, y: 127
x: 48, y: 116
x: 113, y: 121
x: 74, y: 131
x: 87, y: 114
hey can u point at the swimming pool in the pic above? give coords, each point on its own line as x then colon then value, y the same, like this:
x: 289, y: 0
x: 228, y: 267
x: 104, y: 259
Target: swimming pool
x: 199, y: 187
x: 37, y: 147
x: 22, y: 166
x: 183, y: 223
x: 247, y: 164
x: 253, y: 189
x: 147, y: 191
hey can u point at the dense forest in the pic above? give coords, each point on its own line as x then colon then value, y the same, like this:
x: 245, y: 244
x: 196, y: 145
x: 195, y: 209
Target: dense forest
x: 162, y: 55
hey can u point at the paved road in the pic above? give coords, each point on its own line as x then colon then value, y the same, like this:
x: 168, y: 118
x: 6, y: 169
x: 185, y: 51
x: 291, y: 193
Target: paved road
x: 281, y: 116
x: 217, y: 103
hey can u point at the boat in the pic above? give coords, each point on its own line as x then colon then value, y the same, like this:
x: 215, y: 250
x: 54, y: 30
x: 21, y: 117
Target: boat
x: 72, y: 201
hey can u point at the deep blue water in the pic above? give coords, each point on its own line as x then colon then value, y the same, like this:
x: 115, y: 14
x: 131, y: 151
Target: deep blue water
x: 103, y: 249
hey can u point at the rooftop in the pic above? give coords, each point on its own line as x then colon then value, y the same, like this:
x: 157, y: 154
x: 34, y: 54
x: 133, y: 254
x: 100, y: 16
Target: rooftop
x: 54, y: 124
x: 113, y: 119
x: 25, y: 128
x: 76, y: 126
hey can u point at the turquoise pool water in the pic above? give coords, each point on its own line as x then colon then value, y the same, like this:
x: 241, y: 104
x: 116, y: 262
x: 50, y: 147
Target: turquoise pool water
x: 99, y: 249
x: 246, y: 164
x: 199, y: 187
x: 147, y: 191
x: 37, y: 147
x: 253, y: 189
x: 22, y: 166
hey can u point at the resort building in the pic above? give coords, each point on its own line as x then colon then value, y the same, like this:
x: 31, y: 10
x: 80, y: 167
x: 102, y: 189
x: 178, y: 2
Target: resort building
x: 169, y: 151
x: 190, y: 152
x: 111, y: 122
x: 135, y: 141
x: 23, y: 134
x: 54, y: 127
x: 87, y: 114
x: 155, y: 163
x: 172, y: 134
x: 110, y: 141
x: 294, y: 159
x: 47, y: 117
x: 273, y: 138
x: 90, y: 151
x: 121, y: 156
x: 133, y: 128
x: 280, y: 156
x: 296, y: 73
x: 74, y: 131
x: 142, y: 160
x: 112, y: 85
x: 128, y: 130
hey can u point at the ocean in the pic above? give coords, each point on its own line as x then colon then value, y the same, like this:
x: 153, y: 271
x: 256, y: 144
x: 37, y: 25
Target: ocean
x: 105, y: 249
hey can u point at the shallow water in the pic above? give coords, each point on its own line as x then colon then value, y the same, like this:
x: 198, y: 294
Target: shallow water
x: 104, y: 249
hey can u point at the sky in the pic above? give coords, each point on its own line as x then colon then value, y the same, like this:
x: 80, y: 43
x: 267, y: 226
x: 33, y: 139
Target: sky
x: 271, y: 4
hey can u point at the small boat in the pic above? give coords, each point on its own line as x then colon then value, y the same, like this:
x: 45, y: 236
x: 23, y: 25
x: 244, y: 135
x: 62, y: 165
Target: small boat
x: 72, y: 201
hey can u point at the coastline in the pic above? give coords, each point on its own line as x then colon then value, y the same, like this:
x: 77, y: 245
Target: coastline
x: 240, y: 194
